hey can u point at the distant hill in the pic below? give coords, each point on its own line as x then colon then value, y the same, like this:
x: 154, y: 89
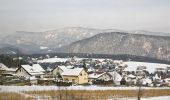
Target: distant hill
x: 88, y: 40
x: 8, y: 50
x: 123, y: 43
x: 48, y: 41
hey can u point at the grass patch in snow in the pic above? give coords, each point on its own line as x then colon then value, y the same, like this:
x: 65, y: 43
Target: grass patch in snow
x: 98, y: 94
x: 13, y: 96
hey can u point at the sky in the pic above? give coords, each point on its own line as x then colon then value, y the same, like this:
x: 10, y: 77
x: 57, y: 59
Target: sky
x: 43, y: 15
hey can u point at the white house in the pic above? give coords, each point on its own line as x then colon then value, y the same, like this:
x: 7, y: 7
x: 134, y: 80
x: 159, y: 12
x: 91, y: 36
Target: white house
x: 147, y: 82
x: 116, y: 77
x: 27, y: 71
x: 131, y: 79
x: 100, y: 76
x: 4, y: 70
x: 60, y: 69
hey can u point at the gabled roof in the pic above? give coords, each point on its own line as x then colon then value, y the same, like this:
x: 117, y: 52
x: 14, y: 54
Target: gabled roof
x: 72, y: 72
x: 65, y: 67
x: 147, y: 80
x: 95, y: 75
x: 34, y: 69
x: 3, y: 67
x: 116, y: 76
x: 62, y: 67
x: 131, y: 76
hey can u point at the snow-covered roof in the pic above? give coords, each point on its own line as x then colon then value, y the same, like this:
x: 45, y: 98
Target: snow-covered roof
x: 12, y: 69
x: 116, y: 76
x: 34, y: 69
x: 99, y: 59
x: 69, y: 67
x: 62, y: 67
x: 65, y: 67
x: 95, y: 75
x: 72, y: 72
x: 131, y: 76
x: 118, y: 61
x: 147, y: 80
x: 123, y: 64
x: 3, y: 67
x: 32, y: 78
x: 167, y: 80
x: 156, y: 77
x: 151, y: 67
x: 90, y: 70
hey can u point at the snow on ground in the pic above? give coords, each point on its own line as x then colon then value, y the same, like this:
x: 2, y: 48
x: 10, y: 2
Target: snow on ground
x: 52, y: 60
x: 43, y: 48
x: 40, y: 88
x: 132, y: 66
x: 150, y: 98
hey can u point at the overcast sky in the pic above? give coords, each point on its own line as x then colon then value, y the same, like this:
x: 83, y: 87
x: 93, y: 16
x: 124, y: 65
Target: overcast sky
x: 42, y: 15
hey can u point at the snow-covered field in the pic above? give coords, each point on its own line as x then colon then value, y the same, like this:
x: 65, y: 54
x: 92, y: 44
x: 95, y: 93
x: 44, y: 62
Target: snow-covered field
x: 151, y: 67
x: 150, y: 98
x: 19, y: 89
x: 52, y: 60
x: 40, y: 88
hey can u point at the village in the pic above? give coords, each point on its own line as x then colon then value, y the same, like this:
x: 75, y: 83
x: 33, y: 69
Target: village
x: 86, y: 71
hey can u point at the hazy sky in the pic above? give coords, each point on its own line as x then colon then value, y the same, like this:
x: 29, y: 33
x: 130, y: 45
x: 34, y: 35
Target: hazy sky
x: 42, y: 15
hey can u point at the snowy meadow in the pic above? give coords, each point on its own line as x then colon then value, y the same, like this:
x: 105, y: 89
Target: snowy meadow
x: 82, y: 93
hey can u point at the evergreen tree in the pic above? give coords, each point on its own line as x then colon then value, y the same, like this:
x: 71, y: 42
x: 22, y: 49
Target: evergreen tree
x: 84, y: 65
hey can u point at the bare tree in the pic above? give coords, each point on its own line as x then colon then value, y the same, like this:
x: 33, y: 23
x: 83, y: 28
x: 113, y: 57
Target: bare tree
x: 139, y: 90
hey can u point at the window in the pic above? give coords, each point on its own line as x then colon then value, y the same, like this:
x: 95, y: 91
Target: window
x: 37, y: 76
x: 73, y: 81
x: 66, y: 80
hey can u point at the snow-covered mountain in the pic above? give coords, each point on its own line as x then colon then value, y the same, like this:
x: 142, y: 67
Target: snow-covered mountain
x: 50, y: 41
x: 123, y: 43
x: 149, y: 33
x: 36, y: 42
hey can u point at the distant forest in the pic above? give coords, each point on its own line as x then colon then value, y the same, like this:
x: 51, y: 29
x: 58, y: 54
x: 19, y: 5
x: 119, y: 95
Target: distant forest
x: 9, y: 61
x: 123, y: 57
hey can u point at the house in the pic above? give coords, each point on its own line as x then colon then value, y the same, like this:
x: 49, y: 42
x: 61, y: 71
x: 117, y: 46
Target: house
x: 5, y: 71
x: 116, y: 77
x: 142, y: 68
x: 3, y: 68
x: 76, y: 76
x: 131, y: 79
x: 121, y: 67
x: 104, y: 76
x: 60, y: 69
x: 161, y: 72
x: 156, y: 80
x: 167, y: 81
x: 141, y: 71
x: 168, y: 72
x: 33, y: 70
x: 147, y: 82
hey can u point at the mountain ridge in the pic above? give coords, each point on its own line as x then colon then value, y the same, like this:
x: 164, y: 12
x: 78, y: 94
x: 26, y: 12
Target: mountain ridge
x: 54, y: 40
x: 123, y: 43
